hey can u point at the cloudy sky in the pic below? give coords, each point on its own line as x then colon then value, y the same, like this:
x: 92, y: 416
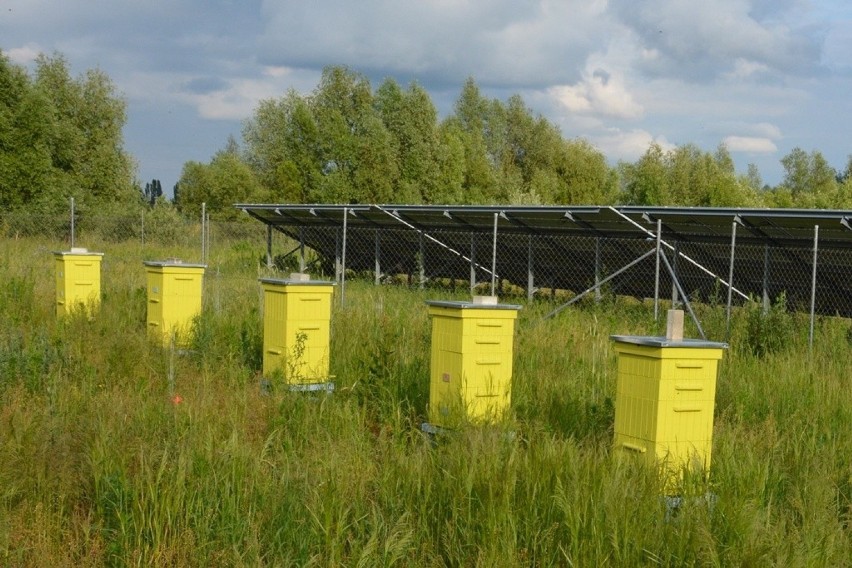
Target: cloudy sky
x: 761, y: 76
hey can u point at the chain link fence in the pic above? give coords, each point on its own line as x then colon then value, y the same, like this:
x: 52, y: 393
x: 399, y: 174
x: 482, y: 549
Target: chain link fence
x: 523, y: 266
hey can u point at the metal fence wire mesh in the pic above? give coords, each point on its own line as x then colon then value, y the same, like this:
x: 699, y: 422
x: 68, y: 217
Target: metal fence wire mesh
x: 508, y: 258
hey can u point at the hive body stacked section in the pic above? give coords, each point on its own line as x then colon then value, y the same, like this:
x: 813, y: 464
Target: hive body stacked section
x: 78, y: 280
x: 665, y: 397
x: 471, y: 362
x: 297, y: 329
x: 174, y: 299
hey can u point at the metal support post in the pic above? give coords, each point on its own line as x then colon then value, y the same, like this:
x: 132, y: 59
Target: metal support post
x: 766, y: 300
x: 675, y: 297
x: 203, y: 232
x: 343, y: 260
x: 72, y: 222
x: 657, y: 273
x: 597, y: 269
x: 813, y: 287
x: 422, y: 263
x: 337, y: 255
x: 604, y: 281
x: 301, y: 249
x: 269, y: 246
x: 731, y: 274
x: 530, y: 275
x: 377, y: 270
x: 494, y: 256
x: 683, y: 295
x: 472, y: 262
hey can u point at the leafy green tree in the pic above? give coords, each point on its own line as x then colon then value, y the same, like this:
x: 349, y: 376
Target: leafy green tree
x: 412, y: 121
x: 470, y: 117
x: 152, y: 192
x: 282, y: 147
x: 226, y: 180
x: 584, y: 175
x: 809, y: 178
x: 645, y: 182
x: 26, y: 128
x: 86, y: 145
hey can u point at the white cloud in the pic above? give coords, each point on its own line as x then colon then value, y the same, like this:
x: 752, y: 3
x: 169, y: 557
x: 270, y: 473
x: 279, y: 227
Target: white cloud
x: 750, y: 144
x: 498, y: 42
x: 24, y: 55
x: 628, y: 145
x: 698, y: 41
x: 744, y: 68
x: 599, y: 93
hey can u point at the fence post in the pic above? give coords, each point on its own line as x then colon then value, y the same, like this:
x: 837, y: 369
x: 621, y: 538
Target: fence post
x: 472, y: 263
x: 343, y: 259
x: 72, y: 222
x: 813, y: 287
x: 422, y: 267
x: 269, y: 246
x: 301, y: 249
x: 203, y: 232
x: 494, y: 257
x: 766, y: 279
x: 377, y: 270
x: 657, y: 272
x: 530, y: 275
x: 676, y: 276
x: 731, y: 274
x: 142, y: 219
x: 597, y: 269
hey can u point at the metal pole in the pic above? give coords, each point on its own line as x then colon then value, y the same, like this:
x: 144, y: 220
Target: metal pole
x: 530, y: 275
x: 597, y: 269
x: 472, y: 262
x: 422, y: 267
x: 378, y: 268
x: 337, y: 255
x: 813, y: 287
x: 203, y: 231
x: 731, y: 273
x: 604, y: 281
x: 343, y: 260
x: 657, y: 272
x: 675, y: 275
x: 766, y: 279
x: 72, y: 222
x: 494, y: 256
x: 269, y: 246
x: 683, y: 295
x: 301, y: 249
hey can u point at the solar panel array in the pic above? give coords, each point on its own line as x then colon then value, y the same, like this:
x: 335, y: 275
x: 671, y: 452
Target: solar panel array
x: 573, y: 248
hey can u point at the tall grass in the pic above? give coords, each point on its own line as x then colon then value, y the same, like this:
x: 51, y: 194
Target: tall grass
x: 99, y: 465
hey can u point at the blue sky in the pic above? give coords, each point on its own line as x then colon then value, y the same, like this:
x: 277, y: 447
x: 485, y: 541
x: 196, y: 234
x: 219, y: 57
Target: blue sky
x: 761, y: 76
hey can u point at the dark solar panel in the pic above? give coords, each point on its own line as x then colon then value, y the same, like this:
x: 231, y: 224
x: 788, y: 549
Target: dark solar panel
x: 570, y: 248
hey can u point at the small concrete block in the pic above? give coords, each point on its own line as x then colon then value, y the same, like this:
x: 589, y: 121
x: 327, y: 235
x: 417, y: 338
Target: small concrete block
x: 300, y: 276
x: 485, y: 300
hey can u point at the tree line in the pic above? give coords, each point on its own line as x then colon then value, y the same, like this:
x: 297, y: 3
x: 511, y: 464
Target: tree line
x: 346, y: 142
x: 61, y: 137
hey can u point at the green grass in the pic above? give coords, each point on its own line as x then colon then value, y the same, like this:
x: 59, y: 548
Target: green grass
x: 98, y: 465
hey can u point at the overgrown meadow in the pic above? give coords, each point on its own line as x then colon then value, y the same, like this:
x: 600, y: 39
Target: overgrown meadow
x: 100, y: 465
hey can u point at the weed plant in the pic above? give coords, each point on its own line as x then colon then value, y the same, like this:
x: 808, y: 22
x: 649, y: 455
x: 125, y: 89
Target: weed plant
x: 115, y: 451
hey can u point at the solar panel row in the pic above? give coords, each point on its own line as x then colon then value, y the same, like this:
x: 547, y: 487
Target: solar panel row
x: 572, y: 248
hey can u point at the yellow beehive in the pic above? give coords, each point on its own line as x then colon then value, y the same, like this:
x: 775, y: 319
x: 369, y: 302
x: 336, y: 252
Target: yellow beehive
x: 297, y: 328
x: 471, y: 362
x: 78, y: 280
x: 664, y: 401
x: 174, y: 298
